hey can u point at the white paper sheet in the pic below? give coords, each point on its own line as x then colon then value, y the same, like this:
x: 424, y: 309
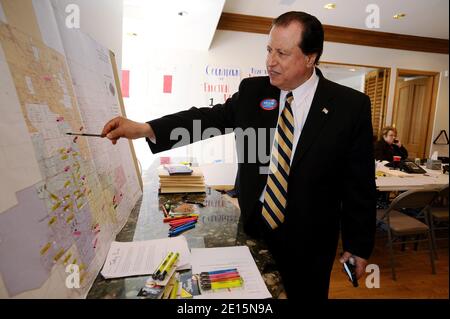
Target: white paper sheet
x: 142, y: 257
x: 209, y: 259
x: 401, y: 181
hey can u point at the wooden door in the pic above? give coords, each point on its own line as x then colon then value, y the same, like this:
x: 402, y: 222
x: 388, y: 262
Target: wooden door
x: 376, y: 87
x: 412, y: 108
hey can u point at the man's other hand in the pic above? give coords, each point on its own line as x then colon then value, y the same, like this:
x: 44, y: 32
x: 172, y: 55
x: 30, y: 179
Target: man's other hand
x: 122, y: 127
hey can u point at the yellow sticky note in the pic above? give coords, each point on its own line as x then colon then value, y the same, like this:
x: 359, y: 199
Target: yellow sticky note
x: 58, y: 254
x: 52, y: 220
x: 67, y: 258
x: 56, y: 206
x: 45, y: 248
x: 69, y: 219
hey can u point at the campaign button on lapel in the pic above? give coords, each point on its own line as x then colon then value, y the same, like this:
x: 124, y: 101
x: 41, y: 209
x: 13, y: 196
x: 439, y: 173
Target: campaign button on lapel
x: 268, y: 104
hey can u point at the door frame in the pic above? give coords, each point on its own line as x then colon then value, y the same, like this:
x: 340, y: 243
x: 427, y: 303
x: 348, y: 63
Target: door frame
x: 434, y: 91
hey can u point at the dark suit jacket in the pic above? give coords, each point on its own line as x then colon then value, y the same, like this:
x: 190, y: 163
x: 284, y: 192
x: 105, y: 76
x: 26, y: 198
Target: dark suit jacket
x: 332, y: 177
x: 386, y: 152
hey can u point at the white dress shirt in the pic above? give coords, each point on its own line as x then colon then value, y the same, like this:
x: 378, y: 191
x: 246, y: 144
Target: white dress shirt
x: 303, y: 96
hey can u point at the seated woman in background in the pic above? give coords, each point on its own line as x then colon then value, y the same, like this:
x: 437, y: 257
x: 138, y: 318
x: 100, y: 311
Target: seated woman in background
x: 387, y: 146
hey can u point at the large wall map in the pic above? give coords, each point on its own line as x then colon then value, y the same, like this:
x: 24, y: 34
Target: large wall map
x: 62, y: 198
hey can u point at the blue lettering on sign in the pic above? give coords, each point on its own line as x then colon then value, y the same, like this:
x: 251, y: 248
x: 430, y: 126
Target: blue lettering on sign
x: 222, y: 72
x: 269, y: 104
x: 257, y: 72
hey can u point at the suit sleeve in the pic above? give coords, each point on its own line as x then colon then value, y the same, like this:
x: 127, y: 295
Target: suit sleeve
x: 186, y: 127
x: 359, y: 198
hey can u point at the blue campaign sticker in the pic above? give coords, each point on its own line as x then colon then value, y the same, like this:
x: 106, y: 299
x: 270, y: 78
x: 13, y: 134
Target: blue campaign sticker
x: 269, y: 104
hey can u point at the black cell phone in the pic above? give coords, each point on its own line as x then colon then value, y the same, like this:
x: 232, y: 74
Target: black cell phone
x: 350, y: 270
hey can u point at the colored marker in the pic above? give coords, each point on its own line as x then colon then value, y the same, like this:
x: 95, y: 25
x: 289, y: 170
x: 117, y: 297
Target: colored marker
x: 223, y: 285
x: 168, y: 219
x: 219, y: 271
x: 226, y: 274
x: 221, y: 277
x: 193, y: 222
x: 161, y: 265
x: 176, y: 227
x: 181, y: 219
x: 210, y: 281
x: 176, y: 223
x: 180, y: 230
x: 180, y: 213
x: 168, y: 267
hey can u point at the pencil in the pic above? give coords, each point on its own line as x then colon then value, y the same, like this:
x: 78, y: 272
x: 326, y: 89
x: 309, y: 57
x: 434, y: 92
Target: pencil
x: 164, y: 211
x: 86, y: 134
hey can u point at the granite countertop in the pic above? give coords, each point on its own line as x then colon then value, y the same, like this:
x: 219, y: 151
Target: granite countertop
x: 218, y: 226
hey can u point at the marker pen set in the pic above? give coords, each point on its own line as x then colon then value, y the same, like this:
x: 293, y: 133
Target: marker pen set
x: 221, y: 279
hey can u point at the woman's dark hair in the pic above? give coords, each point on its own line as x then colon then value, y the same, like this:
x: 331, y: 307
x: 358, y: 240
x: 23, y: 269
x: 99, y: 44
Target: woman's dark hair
x: 312, y: 36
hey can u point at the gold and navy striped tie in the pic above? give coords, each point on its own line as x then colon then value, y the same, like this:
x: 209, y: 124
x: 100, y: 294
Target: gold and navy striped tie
x: 275, y: 196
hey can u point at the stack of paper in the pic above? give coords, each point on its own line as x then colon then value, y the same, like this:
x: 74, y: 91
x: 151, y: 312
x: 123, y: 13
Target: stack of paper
x: 192, y: 183
x: 142, y: 257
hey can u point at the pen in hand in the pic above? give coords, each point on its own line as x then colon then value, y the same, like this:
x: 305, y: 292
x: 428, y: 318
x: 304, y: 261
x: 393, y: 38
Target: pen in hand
x: 86, y: 134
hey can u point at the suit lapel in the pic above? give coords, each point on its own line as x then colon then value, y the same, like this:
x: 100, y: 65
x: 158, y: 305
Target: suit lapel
x: 318, y: 115
x: 268, y: 118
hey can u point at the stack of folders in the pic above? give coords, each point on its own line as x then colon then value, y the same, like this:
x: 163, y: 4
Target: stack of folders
x: 180, y: 178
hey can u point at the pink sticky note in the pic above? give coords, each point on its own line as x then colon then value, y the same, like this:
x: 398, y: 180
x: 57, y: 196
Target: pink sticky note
x: 125, y: 83
x: 167, y: 88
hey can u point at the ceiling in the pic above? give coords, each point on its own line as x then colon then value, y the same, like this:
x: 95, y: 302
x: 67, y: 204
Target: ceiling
x: 426, y: 18
x: 159, y: 24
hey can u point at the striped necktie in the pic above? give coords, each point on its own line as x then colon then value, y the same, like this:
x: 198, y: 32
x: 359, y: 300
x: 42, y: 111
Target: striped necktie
x: 275, y: 196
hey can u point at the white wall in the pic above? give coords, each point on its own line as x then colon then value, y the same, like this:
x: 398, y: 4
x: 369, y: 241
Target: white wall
x: 355, y: 82
x: 102, y: 19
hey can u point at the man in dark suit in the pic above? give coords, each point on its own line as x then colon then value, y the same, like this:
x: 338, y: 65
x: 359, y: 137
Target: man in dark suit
x: 319, y: 178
